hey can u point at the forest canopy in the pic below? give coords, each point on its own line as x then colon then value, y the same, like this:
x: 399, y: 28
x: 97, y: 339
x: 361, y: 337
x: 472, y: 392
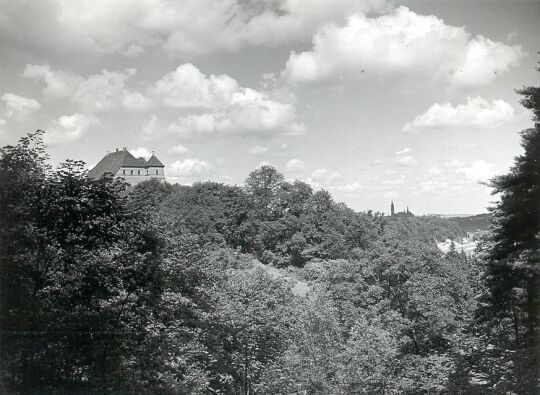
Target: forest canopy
x: 270, y: 287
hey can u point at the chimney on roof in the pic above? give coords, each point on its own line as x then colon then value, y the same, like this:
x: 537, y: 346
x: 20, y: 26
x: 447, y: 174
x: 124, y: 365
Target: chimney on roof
x: 125, y: 149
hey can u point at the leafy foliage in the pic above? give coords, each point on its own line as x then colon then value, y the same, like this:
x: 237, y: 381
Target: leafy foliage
x: 177, y: 289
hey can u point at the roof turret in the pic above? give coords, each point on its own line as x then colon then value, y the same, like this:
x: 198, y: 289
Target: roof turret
x: 154, y: 162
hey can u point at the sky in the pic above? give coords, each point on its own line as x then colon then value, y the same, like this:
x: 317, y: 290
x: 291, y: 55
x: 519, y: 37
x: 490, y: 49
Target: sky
x: 372, y: 100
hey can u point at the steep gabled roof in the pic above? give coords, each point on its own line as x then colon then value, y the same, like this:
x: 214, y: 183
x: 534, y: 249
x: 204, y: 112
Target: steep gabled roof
x: 154, y: 162
x: 113, y: 161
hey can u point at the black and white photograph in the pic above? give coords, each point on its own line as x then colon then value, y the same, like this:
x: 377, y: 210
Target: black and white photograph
x: 252, y: 197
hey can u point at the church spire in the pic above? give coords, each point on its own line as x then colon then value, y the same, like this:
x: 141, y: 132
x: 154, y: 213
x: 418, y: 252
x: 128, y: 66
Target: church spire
x: 392, y: 208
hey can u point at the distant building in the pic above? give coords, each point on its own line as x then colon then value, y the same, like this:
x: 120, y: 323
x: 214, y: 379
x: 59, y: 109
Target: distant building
x: 401, y: 214
x: 121, y: 163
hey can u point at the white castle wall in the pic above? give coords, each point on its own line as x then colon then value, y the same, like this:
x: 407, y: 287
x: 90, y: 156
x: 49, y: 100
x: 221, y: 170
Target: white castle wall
x: 140, y: 174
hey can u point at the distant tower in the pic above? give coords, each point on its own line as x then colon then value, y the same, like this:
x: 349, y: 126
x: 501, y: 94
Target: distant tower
x: 408, y: 212
x: 392, y: 208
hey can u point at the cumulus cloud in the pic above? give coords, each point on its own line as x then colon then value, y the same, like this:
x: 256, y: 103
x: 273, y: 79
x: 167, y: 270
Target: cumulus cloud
x: 150, y: 128
x: 187, y: 87
x: 295, y: 166
x: 98, y: 92
x: 218, y: 104
x: 479, y: 170
x: 177, y: 150
x: 19, y: 105
x: 194, y: 27
x: 191, y: 168
x: 248, y: 112
x: 477, y: 113
x: 401, y: 43
x: 141, y: 152
x: 69, y: 128
x: 229, y: 108
x: 57, y: 83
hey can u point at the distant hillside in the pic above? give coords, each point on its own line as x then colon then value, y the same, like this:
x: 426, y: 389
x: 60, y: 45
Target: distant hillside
x: 472, y: 223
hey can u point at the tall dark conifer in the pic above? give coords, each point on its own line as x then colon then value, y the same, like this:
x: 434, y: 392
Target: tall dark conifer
x: 514, y: 258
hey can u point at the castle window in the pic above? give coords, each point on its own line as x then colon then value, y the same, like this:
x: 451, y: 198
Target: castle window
x: 157, y: 171
x: 123, y: 172
x: 138, y: 172
x: 131, y: 172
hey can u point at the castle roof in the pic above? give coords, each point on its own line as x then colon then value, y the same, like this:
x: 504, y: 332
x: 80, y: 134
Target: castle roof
x: 154, y: 162
x: 114, y: 161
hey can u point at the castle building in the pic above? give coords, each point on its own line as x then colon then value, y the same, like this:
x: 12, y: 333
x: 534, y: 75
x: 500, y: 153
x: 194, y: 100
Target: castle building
x: 121, y: 163
x: 401, y: 214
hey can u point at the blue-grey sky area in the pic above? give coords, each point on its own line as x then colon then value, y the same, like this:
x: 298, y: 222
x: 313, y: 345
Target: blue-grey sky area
x: 373, y: 100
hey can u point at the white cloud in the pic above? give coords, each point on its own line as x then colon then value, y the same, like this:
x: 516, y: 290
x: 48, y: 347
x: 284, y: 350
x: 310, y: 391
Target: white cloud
x: 187, y: 87
x: 402, y: 43
x: 104, y: 91
x: 99, y: 92
x: 483, y: 60
x: 295, y: 165
x: 150, y: 128
x: 229, y: 108
x: 248, y: 112
x: 178, y: 150
x: 57, y: 83
x: 192, y: 168
x: 69, y: 128
x: 258, y: 150
x: 194, y: 27
x: 479, y: 170
x: 136, y: 101
x: 141, y: 152
x: 477, y: 112
x: 19, y: 105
